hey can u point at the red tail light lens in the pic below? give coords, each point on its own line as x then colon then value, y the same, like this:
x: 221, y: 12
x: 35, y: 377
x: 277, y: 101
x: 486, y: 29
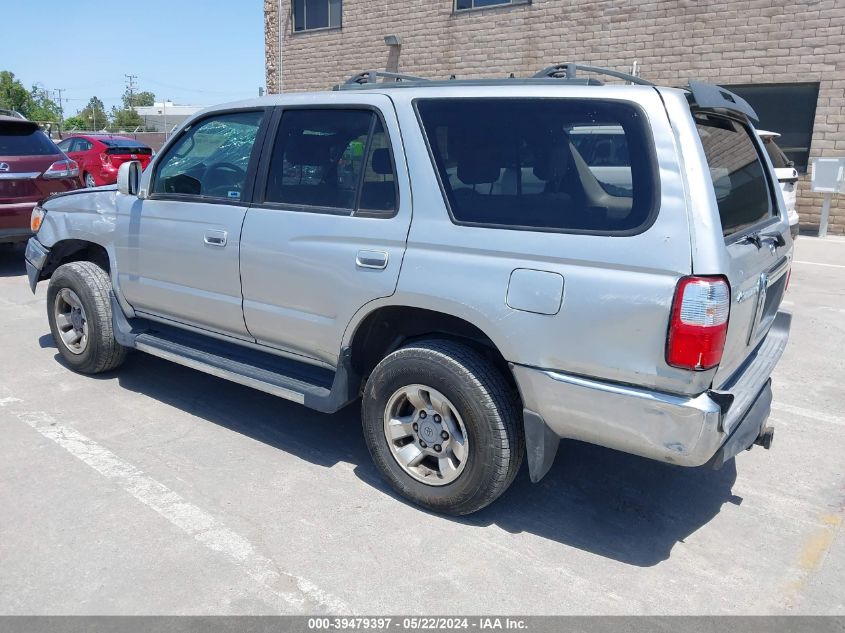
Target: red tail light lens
x: 105, y: 159
x: 699, y: 323
x: 62, y: 169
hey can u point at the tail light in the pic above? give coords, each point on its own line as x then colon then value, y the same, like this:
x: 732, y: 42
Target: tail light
x: 62, y: 169
x: 105, y: 159
x: 699, y: 323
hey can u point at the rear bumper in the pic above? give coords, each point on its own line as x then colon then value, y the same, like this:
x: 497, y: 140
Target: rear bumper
x: 14, y: 221
x: 687, y: 431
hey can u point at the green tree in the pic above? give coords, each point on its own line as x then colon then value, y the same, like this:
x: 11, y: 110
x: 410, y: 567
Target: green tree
x: 75, y: 122
x: 126, y: 119
x: 13, y: 95
x: 139, y: 99
x: 94, y: 115
x: 41, y: 107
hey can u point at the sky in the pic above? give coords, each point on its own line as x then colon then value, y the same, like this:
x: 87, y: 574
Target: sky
x: 194, y: 52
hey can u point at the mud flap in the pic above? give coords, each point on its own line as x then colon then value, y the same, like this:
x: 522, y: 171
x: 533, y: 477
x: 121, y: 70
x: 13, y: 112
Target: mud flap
x: 541, y: 445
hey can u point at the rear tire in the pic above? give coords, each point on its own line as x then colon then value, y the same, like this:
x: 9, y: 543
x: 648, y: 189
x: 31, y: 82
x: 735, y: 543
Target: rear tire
x: 89, y: 181
x: 478, y: 416
x: 80, y: 316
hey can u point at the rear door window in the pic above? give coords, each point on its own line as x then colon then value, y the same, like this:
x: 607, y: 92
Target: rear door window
x: 738, y: 175
x: 334, y: 159
x: 572, y: 165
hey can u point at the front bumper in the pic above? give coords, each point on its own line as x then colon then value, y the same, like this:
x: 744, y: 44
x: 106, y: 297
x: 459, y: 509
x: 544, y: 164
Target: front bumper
x: 35, y: 256
x: 682, y: 430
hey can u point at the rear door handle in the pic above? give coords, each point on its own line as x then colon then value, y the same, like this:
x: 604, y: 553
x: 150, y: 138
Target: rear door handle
x: 371, y: 259
x: 214, y: 237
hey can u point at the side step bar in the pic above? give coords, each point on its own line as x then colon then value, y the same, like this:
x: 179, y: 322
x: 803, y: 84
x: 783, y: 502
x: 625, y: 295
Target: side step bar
x: 260, y: 370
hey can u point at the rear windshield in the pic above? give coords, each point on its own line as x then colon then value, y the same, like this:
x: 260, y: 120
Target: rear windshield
x: 120, y: 142
x: 128, y: 149
x: 778, y: 158
x: 738, y: 175
x: 543, y: 164
x: 24, y: 141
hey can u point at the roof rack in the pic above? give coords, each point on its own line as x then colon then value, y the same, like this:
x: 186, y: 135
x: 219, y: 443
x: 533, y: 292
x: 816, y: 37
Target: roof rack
x: 569, y: 70
x: 372, y: 77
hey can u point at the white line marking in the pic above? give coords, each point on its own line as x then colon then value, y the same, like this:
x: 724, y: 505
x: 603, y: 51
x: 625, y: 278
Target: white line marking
x: 821, y: 416
x: 796, y: 261
x: 188, y: 517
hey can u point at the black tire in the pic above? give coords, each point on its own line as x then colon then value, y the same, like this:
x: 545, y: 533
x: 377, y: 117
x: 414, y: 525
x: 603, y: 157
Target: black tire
x: 93, y: 287
x: 485, y: 401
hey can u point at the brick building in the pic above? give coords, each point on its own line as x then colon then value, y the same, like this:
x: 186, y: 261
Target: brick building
x: 786, y: 58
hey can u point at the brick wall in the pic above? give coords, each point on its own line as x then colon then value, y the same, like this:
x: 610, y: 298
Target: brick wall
x: 731, y: 42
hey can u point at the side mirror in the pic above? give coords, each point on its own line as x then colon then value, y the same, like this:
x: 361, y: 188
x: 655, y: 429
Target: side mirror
x: 128, y: 177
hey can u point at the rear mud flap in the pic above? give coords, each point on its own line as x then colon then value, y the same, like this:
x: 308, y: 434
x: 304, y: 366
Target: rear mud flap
x: 541, y: 445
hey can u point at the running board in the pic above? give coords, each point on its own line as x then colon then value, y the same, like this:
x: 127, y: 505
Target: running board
x: 292, y: 380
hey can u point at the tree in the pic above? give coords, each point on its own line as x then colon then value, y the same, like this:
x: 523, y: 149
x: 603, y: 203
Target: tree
x: 41, y: 107
x: 94, y: 114
x: 139, y: 99
x: 13, y: 95
x: 126, y: 119
x: 75, y: 122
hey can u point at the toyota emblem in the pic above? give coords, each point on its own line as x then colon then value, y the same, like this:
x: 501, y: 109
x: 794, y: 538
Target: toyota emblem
x: 4, y: 166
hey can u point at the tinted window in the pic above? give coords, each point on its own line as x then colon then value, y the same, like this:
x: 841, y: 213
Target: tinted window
x: 24, y: 141
x: 120, y: 142
x: 211, y: 158
x: 778, y: 158
x: 518, y: 162
x: 64, y: 145
x: 461, y: 5
x: 83, y: 145
x: 332, y: 158
x: 738, y: 176
x: 316, y: 14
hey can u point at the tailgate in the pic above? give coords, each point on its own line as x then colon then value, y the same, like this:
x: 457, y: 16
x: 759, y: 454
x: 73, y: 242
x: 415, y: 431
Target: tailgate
x: 755, y: 231
x: 119, y: 155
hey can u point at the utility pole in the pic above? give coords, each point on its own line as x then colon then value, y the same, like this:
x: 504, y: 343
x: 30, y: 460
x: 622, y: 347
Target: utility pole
x: 61, y: 107
x: 130, y: 87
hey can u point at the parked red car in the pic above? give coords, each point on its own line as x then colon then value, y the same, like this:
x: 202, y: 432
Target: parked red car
x: 31, y: 169
x: 100, y: 156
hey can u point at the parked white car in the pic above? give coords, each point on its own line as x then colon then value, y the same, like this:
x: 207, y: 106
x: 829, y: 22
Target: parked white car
x: 786, y: 174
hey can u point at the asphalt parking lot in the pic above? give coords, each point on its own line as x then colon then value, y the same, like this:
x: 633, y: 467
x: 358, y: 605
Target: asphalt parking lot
x: 161, y: 490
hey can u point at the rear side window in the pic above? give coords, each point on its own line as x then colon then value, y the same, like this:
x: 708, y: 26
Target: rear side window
x: 573, y: 165
x: 333, y: 159
x: 22, y: 140
x: 738, y: 175
x: 778, y: 158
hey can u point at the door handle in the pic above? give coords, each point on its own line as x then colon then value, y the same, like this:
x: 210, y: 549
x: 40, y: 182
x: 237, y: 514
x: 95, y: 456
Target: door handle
x: 371, y: 259
x: 215, y: 238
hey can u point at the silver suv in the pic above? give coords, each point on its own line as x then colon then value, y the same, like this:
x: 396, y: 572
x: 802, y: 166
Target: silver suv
x: 491, y: 265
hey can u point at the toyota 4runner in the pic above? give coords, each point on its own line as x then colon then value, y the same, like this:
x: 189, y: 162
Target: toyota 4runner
x: 490, y: 265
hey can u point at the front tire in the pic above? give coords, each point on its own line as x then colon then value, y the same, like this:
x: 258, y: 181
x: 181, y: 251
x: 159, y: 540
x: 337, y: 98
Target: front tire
x: 443, y: 426
x: 80, y: 316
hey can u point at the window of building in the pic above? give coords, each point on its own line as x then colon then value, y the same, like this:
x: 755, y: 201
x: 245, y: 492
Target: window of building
x: 739, y: 178
x: 333, y: 159
x: 463, y: 5
x: 211, y: 158
x: 788, y: 109
x: 518, y: 163
x: 309, y: 15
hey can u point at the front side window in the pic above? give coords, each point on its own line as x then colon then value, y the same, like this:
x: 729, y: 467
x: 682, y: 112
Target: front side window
x: 211, y: 158
x: 333, y: 159
x: 309, y: 15
x: 463, y: 5
x: 738, y: 175
x: 573, y: 165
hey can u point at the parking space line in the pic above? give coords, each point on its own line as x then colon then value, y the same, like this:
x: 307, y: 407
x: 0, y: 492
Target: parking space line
x: 796, y: 261
x: 821, y: 416
x: 188, y: 517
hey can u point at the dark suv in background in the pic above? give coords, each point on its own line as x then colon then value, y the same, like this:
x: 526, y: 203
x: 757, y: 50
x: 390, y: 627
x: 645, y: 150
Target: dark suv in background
x: 32, y: 168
